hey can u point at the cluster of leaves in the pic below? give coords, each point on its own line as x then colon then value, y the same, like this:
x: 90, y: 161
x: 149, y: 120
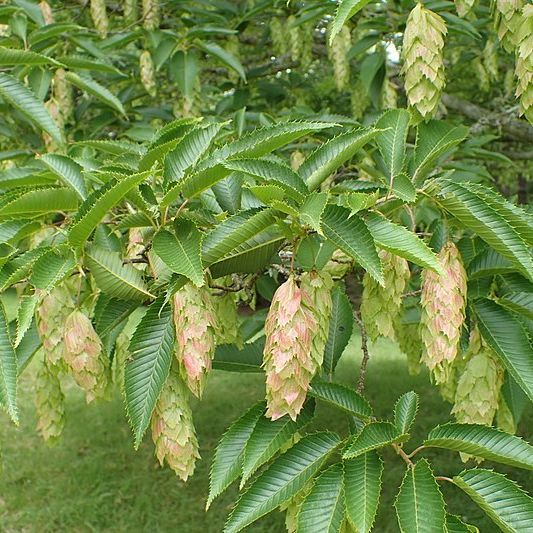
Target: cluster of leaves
x: 216, y: 202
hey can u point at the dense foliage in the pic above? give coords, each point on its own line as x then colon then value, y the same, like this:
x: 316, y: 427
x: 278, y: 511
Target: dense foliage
x: 189, y: 186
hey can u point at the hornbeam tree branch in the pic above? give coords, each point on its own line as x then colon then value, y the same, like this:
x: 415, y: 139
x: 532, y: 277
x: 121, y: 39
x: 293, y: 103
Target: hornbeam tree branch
x: 513, y: 128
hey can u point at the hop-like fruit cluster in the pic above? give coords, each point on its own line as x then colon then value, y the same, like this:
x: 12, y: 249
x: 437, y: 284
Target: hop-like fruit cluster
x: 443, y: 312
x: 62, y: 93
x: 490, y: 59
x: 227, y: 326
x: 195, y: 323
x: 51, y: 316
x: 277, y: 34
x: 380, y: 306
x: 507, y: 19
x: 292, y: 356
x: 504, y: 417
x: 464, y: 7
x: 389, y: 95
x: 408, y: 337
x: 295, y: 41
x: 46, y: 11
x: 99, y: 16
x: 173, y: 428
x: 339, y: 265
x: 338, y: 48
x: 49, y: 403
x: 359, y: 100
x: 54, y: 111
x: 151, y: 14
x: 84, y: 355
x: 423, y: 64
x: 478, y: 388
x: 524, y: 62
x: 297, y: 158
x: 147, y: 72
x: 130, y: 9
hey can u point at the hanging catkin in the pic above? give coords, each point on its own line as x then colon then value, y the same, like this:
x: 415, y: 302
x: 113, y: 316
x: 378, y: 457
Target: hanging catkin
x: 507, y: 19
x: 46, y: 11
x: 173, y: 430
x: 194, y: 320
x: 151, y: 15
x: 380, y: 306
x: 147, y: 72
x: 423, y: 64
x: 337, y: 52
x: 443, y: 312
x: 49, y: 403
x: 99, y: 16
x: 130, y: 9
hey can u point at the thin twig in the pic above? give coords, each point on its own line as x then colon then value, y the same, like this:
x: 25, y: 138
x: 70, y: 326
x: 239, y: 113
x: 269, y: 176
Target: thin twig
x: 402, y: 454
x: 366, y: 355
x: 412, y: 293
x: 414, y: 452
x: 444, y: 478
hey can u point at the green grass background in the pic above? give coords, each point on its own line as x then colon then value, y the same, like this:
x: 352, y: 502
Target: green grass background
x: 93, y: 480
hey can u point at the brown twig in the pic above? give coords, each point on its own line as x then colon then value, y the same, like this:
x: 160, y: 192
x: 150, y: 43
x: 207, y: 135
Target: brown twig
x: 415, y: 451
x: 366, y: 354
x: 444, y: 478
x: 402, y: 454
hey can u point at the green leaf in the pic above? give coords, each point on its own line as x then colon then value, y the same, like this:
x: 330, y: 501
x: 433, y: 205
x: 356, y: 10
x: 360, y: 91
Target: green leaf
x: 109, y: 313
x: 322, y: 511
x: 351, y: 235
x: 255, y: 144
x: 180, y: 250
x: 311, y: 210
x: 89, y: 85
x: 505, y: 334
x: 19, y: 267
x: 8, y: 369
x: 507, y: 505
x: 341, y: 397
x: 52, y: 268
x: 271, y: 172
x: 488, y: 262
x: 405, y: 411
x: 233, y: 232
x: 400, y: 241
x: 225, y: 57
x: 12, y: 56
x: 455, y: 525
x: 433, y: 139
x: 345, y: 11
x: 228, y: 193
x: 67, y: 170
x: 402, y: 187
x: 186, y: 154
x: 362, y: 487
x: 269, y: 436
x: 519, y: 302
x: 419, y: 504
x: 113, y: 147
x: 340, y: 329
x: 328, y: 157
x: 78, y: 62
x: 482, y: 441
x: 373, y: 436
x: 286, y: 476
x: 98, y: 204
x: 231, y: 358
x: 492, y: 226
x: 38, y: 202
x: 391, y: 140
x: 251, y: 256
x: 227, y: 463
x: 151, y: 349
x: 117, y: 280
x: 185, y: 69
x: 25, y: 316
x: 19, y: 96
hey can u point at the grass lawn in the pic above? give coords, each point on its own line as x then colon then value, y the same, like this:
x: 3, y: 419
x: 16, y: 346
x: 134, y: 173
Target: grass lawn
x: 93, y: 480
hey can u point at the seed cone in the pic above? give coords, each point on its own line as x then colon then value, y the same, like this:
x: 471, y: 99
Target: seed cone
x: 227, y: 325
x: 49, y: 403
x: 83, y: 354
x: 337, y: 53
x: 147, y: 71
x: 524, y: 63
x: 173, y: 428
x: 423, y: 65
x: 380, y: 306
x: 151, y: 15
x: 443, y: 312
x: 507, y: 18
x: 195, y: 320
x: 99, y: 16
x: 51, y: 315
x: 478, y: 387
x: 291, y: 358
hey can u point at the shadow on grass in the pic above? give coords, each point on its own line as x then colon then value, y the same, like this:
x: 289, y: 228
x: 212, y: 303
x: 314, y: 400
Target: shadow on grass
x: 93, y: 480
